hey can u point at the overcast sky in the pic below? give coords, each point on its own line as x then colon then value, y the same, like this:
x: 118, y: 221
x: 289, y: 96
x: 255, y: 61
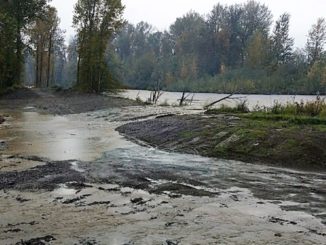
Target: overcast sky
x: 162, y: 13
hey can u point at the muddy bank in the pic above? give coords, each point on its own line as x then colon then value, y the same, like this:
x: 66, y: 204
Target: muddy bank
x: 117, y: 192
x: 138, y: 195
x: 232, y: 137
x: 61, y: 103
x: 121, y: 200
x: 40, y: 174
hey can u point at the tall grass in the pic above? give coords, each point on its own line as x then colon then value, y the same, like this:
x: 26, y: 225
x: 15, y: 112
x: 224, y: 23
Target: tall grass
x: 240, y: 107
x: 313, y: 112
x: 311, y: 108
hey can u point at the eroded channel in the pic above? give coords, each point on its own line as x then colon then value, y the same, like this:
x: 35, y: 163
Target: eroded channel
x: 74, y: 179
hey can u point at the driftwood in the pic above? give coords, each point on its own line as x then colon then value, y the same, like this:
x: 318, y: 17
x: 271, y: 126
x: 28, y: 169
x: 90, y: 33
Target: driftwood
x: 218, y: 101
x: 229, y: 97
x: 185, y: 97
x: 155, y: 94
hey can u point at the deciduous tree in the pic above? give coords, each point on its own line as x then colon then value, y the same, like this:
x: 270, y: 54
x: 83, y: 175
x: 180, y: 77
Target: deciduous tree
x: 96, y: 21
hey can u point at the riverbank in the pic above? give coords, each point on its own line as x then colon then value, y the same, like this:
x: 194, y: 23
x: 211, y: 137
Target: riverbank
x: 275, y: 142
x: 61, y: 103
x: 72, y: 179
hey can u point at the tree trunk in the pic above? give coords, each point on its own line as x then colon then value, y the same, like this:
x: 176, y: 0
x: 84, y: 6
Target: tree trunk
x: 49, y: 62
x: 218, y: 101
x: 37, y: 63
x: 41, y: 65
x: 78, y: 69
x: 18, y: 71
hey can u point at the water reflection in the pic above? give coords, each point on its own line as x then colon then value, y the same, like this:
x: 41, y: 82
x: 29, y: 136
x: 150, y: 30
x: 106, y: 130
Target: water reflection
x: 58, y: 137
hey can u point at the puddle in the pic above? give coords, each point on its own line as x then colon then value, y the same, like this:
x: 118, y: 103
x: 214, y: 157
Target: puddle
x: 59, y: 138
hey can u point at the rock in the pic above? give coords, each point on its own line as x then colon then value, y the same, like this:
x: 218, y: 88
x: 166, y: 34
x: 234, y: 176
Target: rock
x: 99, y: 203
x: 38, y: 241
x: 2, y: 120
x: 170, y: 242
x: 138, y: 200
x: 169, y: 224
x: 3, y: 145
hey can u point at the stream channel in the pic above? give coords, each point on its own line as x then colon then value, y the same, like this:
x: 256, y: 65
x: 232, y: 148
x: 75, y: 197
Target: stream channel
x: 136, y: 194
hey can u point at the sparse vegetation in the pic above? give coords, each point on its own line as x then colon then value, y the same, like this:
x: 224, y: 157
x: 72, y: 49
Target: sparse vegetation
x: 312, y: 112
x: 240, y: 107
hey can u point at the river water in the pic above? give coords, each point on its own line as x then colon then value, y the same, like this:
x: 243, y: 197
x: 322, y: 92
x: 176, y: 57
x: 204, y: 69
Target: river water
x: 202, y: 99
x: 249, y: 203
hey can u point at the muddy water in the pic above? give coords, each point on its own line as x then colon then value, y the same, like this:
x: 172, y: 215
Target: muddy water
x: 185, y: 199
x: 58, y: 137
x: 202, y: 99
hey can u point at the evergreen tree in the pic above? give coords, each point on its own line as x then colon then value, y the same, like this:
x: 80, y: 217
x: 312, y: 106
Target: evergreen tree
x: 316, y: 41
x: 282, y: 43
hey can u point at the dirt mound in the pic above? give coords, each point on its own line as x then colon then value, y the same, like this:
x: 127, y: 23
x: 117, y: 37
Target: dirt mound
x: 235, y: 138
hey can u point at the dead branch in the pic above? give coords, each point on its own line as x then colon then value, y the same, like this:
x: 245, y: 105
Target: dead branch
x: 184, y: 98
x: 218, y: 101
x: 155, y: 94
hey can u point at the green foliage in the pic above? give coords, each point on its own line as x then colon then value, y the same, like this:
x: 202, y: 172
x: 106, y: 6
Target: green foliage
x: 311, y: 108
x: 96, y: 21
x: 240, y: 107
x: 15, y: 17
x: 230, y: 50
x: 282, y: 44
x: 316, y: 41
x: 311, y: 113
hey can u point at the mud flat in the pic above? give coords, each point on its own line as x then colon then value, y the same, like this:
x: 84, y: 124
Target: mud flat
x: 72, y: 179
x: 52, y: 203
x: 61, y: 103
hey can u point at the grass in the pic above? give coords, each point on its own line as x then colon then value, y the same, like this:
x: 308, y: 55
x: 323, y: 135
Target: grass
x: 241, y: 107
x: 309, y: 113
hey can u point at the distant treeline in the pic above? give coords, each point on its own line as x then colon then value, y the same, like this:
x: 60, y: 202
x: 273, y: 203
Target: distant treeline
x: 235, y: 48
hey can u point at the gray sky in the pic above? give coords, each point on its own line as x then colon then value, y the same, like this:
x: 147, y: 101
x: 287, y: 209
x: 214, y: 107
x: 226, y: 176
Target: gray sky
x: 162, y: 13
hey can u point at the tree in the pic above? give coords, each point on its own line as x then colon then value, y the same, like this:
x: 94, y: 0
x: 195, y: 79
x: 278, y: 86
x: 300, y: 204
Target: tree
x: 255, y: 17
x: 70, y: 68
x: 7, y: 51
x: 219, y: 32
x: 20, y: 14
x: 96, y: 21
x: 316, y: 41
x: 48, y: 43
x: 191, y: 43
x: 282, y: 44
x: 258, y: 51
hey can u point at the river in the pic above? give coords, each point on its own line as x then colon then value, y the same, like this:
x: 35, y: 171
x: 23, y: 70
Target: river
x: 202, y: 99
x: 234, y: 202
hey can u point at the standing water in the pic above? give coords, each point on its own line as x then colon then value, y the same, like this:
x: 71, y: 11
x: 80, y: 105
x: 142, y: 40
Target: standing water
x: 202, y: 99
x: 195, y: 199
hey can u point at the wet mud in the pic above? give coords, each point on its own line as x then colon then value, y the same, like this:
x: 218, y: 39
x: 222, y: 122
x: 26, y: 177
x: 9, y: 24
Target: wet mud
x: 119, y: 192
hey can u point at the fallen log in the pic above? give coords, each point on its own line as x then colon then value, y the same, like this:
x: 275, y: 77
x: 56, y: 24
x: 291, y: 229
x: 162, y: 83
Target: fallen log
x: 218, y: 101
